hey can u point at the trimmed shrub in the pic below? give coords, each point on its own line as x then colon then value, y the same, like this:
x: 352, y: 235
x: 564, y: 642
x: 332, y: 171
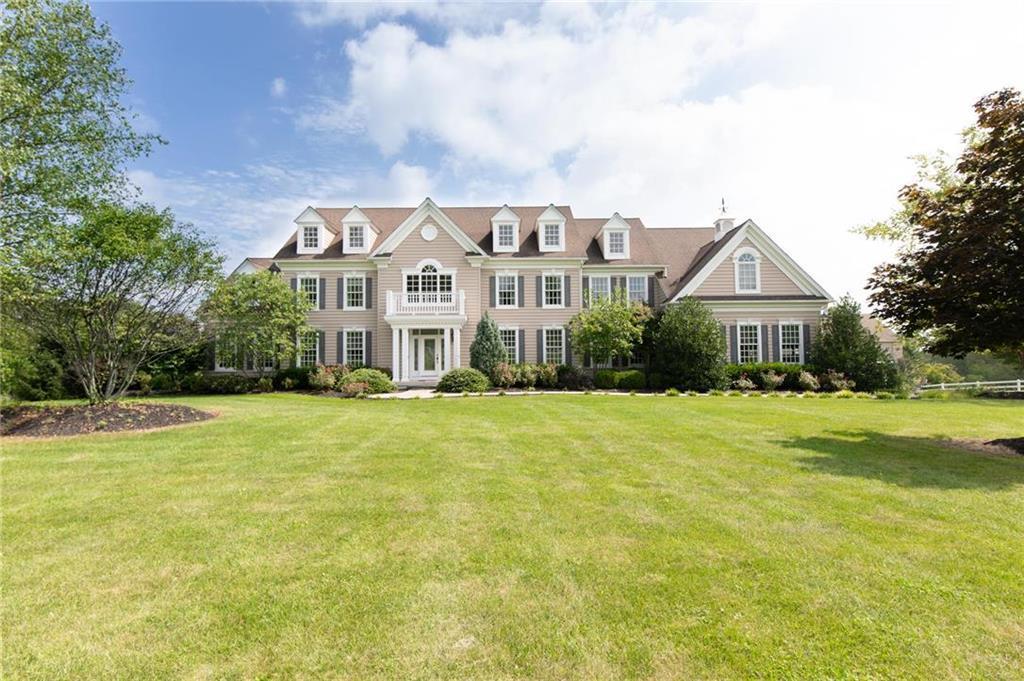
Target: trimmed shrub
x: 218, y: 384
x: 807, y: 382
x: 845, y: 394
x: 547, y: 375
x: 630, y: 379
x: 672, y: 392
x: 688, y: 346
x: 376, y: 381
x: 743, y: 383
x: 572, y: 377
x: 321, y: 378
x: 165, y: 383
x: 265, y: 385
x: 754, y: 371
x: 355, y: 388
x: 463, y: 380
x: 145, y: 382
x: 833, y: 381
x: 526, y: 375
x: 503, y: 375
x: 771, y: 381
x: 296, y: 378
x: 604, y: 379
x: 386, y: 371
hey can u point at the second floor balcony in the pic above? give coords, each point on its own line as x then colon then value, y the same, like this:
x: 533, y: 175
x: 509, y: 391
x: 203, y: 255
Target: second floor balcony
x: 433, y: 303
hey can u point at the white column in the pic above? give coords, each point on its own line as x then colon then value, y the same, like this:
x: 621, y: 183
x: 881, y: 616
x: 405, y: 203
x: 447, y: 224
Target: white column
x: 406, y: 350
x: 395, y: 368
x: 457, y: 347
x: 447, y: 350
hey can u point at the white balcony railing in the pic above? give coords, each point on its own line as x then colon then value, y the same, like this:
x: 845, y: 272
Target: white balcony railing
x: 447, y: 303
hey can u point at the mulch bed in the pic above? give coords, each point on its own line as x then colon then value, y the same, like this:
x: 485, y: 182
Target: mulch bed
x: 104, y: 418
x: 1014, y: 443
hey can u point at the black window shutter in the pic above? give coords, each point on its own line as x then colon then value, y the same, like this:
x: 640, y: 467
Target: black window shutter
x: 521, y: 290
x: 341, y: 347
x: 807, y: 343
x: 295, y: 284
x: 540, y: 292
x: 540, y: 345
x: 211, y: 355
x: 522, y: 346
x: 368, y: 292
x: 586, y: 290
x: 320, y: 339
x: 651, y: 283
x: 493, y: 292
x: 323, y: 292
x: 568, y: 347
x: 567, y: 291
x: 341, y: 293
x: 624, y: 285
x: 734, y: 346
x: 368, y: 349
x: 764, y: 344
x: 776, y: 343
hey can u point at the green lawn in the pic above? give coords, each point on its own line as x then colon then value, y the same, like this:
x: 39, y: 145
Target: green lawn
x: 541, y: 537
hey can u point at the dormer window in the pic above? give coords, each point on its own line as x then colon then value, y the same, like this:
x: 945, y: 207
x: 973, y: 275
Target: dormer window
x: 506, y: 235
x: 310, y: 236
x: 356, y: 237
x: 617, y: 243
x: 551, y: 230
x: 552, y: 235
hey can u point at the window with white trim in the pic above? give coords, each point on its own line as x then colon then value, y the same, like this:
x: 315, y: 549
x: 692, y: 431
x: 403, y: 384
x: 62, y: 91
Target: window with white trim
x: 600, y: 287
x: 637, y: 289
x: 355, y: 292
x: 552, y: 235
x: 507, y: 290
x: 553, y: 290
x: 510, y: 339
x: 310, y: 236
x: 617, y: 243
x: 554, y: 345
x: 310, y: 286
x: 746, y: 273
x: 506, y: 235
x: 749, y: 341
x: 790, y: 344
x: 225, y: 354
x: 428, y: 285
x: 356, y: 236
x: 355, y: 347
x: 309, y: 349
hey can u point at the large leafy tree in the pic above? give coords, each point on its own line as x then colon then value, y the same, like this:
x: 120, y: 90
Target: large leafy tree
x: 608, y: 327
x: 256, y: 317
x: 113, y: 290
x: 689, y: 347
x: 65, y: 134
x: 843, y: 344
x: 958, y: 280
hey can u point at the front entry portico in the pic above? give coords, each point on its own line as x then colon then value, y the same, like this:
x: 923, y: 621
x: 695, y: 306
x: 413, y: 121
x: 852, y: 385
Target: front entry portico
x: 422, y: 355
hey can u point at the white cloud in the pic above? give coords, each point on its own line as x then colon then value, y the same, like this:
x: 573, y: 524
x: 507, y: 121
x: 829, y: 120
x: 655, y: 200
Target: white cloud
x: 802, y: 117
x: 278, y: 88
x: 250, y: 212
x: 451, y: 14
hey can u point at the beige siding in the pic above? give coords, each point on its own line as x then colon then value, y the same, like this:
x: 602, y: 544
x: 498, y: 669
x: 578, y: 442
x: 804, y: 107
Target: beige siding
x: 722, y: 281
x: 331, y: 320
x: 530, y: 317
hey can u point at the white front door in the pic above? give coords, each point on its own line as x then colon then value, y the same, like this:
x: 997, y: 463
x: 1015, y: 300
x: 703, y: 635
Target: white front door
x: 428, y: 356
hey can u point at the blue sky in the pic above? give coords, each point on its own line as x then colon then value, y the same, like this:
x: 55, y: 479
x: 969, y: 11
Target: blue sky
x: 802, y: 116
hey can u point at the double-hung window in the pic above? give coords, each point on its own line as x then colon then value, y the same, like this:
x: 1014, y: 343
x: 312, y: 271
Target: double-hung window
x: 510, y: 339
x: 637, y: 289
x: 355, y: 347
x: 790, y: 344
x: 310, y: 236
x: 747, y: 274
x: 749, y: 340
x: 506, y: 235
x: 616, y: 243
x: 507, y: 291
x: 356, y: 238
x: 355, y: 292
x: 554, y: 295
x: 309, y: 349
x: 310, y: 287
x: 554, y: 345
x: 552, y: 235
x: 600, y: 287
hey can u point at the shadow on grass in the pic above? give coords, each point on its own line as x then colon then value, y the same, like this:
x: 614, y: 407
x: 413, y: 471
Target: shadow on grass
x: 906, y: 461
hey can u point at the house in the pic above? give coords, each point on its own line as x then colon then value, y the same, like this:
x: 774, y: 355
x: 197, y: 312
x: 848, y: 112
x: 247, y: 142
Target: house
x: 404, y: 288
x: 887, y: 338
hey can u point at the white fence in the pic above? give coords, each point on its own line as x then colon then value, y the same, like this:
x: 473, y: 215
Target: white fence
x: 1013, y: 385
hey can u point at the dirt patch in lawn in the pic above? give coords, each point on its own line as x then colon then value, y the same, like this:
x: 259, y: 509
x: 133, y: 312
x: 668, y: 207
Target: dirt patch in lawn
x: 104, y: 418
x: 1002, y: 447
x: 1014, y: 443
